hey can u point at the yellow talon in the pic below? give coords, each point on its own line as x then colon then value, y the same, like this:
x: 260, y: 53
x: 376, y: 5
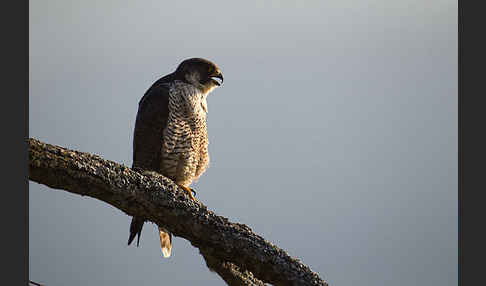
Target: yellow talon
x: 189, y: 191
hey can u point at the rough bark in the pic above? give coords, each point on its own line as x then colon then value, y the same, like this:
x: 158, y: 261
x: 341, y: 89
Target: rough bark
x: 233, y: 250
x: 229, y: 272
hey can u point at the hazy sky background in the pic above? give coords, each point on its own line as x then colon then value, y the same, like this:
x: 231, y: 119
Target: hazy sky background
x: 333, y: 136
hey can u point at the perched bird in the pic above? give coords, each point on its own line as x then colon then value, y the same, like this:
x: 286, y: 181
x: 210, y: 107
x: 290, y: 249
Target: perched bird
x: 170, y: 134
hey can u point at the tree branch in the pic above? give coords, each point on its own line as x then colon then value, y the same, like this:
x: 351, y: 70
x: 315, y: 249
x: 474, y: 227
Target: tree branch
x: 233, y: 250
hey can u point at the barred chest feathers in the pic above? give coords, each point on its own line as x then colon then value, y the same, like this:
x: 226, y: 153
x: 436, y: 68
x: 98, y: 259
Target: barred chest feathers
x: 185, y: 150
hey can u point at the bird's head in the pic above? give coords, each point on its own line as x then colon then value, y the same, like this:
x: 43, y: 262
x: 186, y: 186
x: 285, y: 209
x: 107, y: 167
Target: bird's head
x: 200, y: 72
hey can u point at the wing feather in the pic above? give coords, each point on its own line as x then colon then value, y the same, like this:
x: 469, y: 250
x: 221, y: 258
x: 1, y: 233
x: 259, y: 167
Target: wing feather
x: 152, y: 116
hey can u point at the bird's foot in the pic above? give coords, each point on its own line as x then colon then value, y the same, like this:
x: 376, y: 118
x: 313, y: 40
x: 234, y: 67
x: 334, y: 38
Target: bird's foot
x: 189, y: 192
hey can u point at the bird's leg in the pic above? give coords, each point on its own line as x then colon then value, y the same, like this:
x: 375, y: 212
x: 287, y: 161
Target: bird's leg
x: 189, y: 191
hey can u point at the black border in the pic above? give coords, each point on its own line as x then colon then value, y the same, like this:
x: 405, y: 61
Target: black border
x: 15, y: 98
x: 471, y: 159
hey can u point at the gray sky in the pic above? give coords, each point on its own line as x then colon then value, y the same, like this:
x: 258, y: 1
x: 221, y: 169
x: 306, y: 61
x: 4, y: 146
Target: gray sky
x: 334, y: 135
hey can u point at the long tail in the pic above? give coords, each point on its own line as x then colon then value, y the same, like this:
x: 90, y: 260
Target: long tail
x: 135, y: 229
x: 165, y: 242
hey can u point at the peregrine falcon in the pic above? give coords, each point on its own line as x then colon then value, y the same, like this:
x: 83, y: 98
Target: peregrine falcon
x: 170, y: 134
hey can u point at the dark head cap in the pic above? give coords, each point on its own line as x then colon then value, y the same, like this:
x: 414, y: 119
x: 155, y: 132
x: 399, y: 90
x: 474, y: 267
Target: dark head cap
x: 199, y: 72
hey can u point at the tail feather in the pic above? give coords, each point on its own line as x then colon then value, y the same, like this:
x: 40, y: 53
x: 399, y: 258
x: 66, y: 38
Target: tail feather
x: 165, y: 242
x: 135, y: 229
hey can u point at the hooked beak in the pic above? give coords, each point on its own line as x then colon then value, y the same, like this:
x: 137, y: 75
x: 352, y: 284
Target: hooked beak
x: 218, y: 75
